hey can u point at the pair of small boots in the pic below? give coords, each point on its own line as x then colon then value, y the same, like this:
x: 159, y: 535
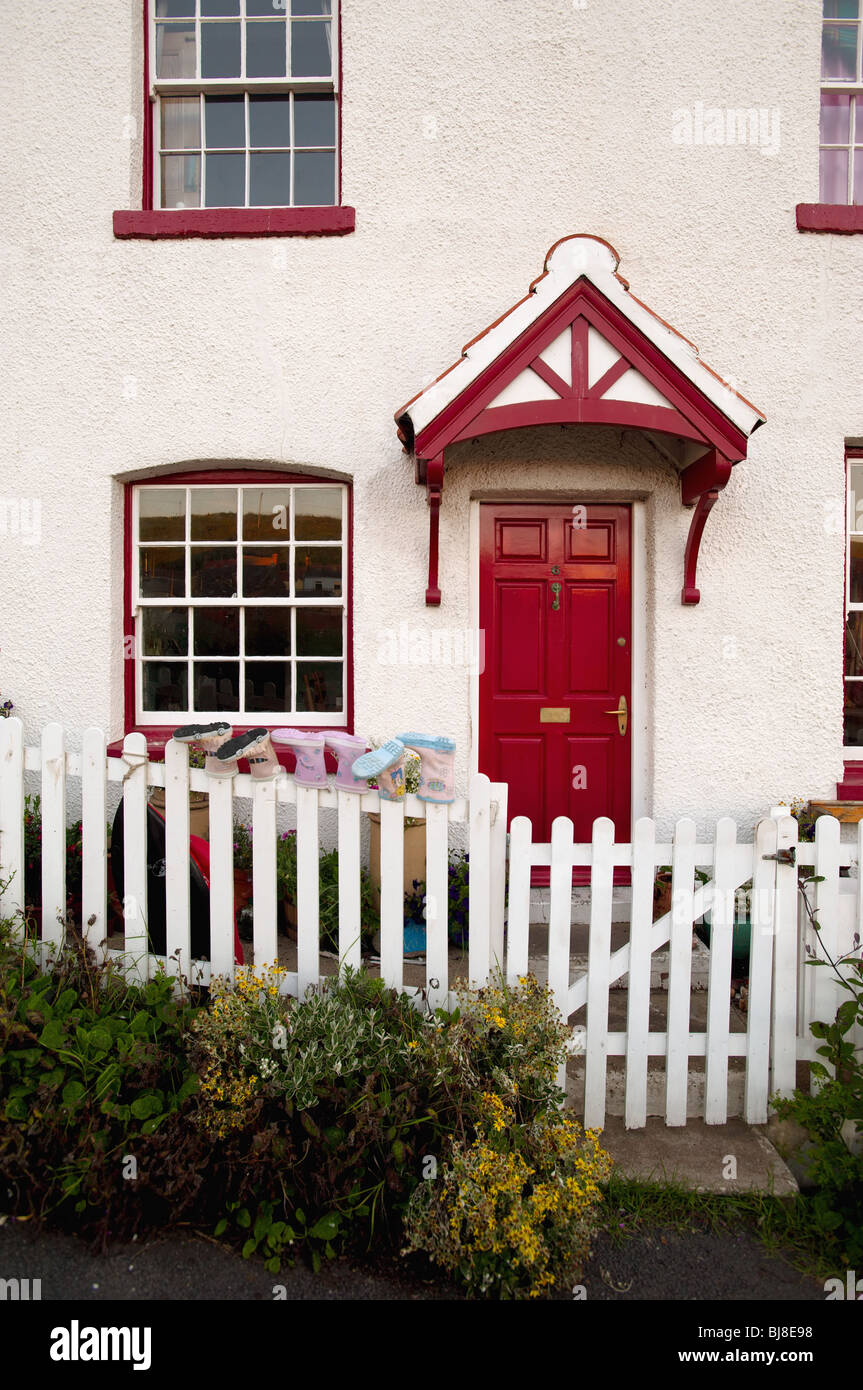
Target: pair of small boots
x: 387, y: 765
x: 309, y: 749
x: 222, y: 750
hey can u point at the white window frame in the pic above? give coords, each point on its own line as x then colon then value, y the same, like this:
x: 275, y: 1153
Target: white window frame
x: 855, y: 115
x: 240, y: 718
x: 240, y: 86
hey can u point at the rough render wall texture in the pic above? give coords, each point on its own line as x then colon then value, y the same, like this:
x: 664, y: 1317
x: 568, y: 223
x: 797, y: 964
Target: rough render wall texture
x: 474, y: 137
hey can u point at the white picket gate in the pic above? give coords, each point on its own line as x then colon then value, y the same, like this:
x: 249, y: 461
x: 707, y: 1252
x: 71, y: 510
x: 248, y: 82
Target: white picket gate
x: 783, y: 996
x: 783, y: 999
x: 484, y: 813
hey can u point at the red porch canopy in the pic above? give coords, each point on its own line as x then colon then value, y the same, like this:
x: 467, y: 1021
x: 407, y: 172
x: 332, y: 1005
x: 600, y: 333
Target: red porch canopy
x: 580, y: 349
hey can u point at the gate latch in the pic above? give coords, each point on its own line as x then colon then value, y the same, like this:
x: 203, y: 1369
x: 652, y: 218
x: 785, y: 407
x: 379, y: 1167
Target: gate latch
x: 783, y: 856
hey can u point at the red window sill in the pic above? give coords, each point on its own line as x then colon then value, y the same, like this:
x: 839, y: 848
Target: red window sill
x: 829, y: 217
x: 233, y: 222
x: 157, y: 737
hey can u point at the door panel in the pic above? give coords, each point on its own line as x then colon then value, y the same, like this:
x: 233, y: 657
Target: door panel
x: 558, y: 660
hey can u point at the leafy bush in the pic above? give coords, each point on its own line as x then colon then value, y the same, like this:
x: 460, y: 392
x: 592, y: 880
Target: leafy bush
x: 512, y: 1214
x: 837, y: 1203
x: 89, y: 1068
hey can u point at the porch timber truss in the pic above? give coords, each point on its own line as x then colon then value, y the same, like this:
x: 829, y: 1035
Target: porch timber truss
x: 580, y: 350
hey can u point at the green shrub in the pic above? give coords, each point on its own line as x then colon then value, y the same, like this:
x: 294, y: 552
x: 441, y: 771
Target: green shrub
x: 90, y: 1068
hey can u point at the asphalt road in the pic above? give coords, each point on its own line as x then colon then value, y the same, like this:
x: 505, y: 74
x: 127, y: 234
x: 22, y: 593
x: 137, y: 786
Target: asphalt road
x: 179, y: 1267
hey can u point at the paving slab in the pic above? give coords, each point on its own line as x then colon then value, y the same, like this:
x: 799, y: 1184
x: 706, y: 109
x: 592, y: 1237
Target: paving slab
x: 734, y: 1157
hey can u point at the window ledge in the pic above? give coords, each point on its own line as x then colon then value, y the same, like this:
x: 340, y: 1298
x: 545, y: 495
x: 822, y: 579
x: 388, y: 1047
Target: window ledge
x: 157, y: 737
x: 152, y: 225
x: 830, y: 217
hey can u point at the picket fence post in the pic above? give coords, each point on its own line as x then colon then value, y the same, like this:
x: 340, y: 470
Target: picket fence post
x: 12, y: 859
x: 178, y: 949
x: 135, y: 917
x: 94, y: 841
x: 679, y: 972
x: 599, y: 954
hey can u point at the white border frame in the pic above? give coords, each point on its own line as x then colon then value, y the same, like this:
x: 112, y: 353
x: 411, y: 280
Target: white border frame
x: 639, y: 743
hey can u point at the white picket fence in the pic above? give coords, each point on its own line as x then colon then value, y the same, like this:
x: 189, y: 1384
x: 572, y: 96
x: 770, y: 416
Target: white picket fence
x: 783, y: 996
x: 484, y: 814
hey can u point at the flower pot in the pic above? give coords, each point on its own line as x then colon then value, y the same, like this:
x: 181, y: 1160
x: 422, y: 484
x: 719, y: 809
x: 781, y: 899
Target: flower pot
x: 740, y: 938
x: 415, y: 857
x: 199, y: 811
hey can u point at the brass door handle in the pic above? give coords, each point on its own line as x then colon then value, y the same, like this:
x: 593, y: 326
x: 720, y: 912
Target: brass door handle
x: 622, y: 714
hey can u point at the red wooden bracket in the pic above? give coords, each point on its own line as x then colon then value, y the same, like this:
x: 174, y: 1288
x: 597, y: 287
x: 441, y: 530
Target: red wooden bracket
x: 434, y: 491
x: 690, y: 594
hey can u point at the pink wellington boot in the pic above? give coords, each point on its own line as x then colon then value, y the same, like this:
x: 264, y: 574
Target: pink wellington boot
x: 308, y: 749
x: 347, y: 748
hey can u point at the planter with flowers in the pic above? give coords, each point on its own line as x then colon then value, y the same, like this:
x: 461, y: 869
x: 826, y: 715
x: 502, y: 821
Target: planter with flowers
x: 458, y: 901
x: 328, y: 897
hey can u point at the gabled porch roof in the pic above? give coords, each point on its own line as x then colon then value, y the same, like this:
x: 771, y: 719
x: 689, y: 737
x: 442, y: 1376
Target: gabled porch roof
x: 580, y: 349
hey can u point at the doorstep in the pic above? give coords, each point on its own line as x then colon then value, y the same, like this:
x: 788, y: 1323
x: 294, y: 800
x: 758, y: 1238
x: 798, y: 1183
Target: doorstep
x: 696, y: 1155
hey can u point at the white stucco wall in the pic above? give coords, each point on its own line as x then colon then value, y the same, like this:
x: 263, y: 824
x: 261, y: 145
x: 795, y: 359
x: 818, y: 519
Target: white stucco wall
x: 474, y: 137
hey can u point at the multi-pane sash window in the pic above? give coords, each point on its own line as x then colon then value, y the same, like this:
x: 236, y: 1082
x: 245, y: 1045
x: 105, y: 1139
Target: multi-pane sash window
x: 240, y: 603
x: 853, y: 737
x: 245, y: 103
x: 842, y: 102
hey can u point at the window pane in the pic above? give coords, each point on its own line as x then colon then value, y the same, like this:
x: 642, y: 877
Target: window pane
x: 220, y: 7
x: 214, y: 572
x: 225, y: 123
x: 835, y: 116
x: 318, y: 514
x: 311, y: 7
x: 165, y: 685
x: 266, y: 514
x: 166, y: 632
x: 315, y: 120
x: 226, y: 180
x: 268, y: 632
x: 840, y: 9
x: 181, y: 181
x: 220, y: 50
x: 319, y: 686
x: 266, y: 573
x: 854, y: 647
x: 217, y: 685
x: 163, y: 572
x: 175, y: 50
x: 311, y: 51
x: 175, y: 9
x: 162, y: 514
x: 854, y: 712
x: 181, y: 123
x: 266, y: 49
x: 318, y: 570
x: 214, y: 514
x: 855, y: 571
x: 834, y: 176
x: 268, y: 686
x: 314, y: 179
x: 269, y: 121
x: 839, y: 52
x: 856, y: 483
x: 217, y: 631
x: 270, y: 184
x: 319, y: 632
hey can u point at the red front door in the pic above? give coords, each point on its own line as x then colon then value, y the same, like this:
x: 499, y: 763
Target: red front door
x: 556, y: 609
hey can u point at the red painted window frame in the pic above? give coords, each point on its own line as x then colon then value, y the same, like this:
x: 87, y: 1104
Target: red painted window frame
x: 152, y: 224
x: 851, y: 786
x: 158, y: 735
